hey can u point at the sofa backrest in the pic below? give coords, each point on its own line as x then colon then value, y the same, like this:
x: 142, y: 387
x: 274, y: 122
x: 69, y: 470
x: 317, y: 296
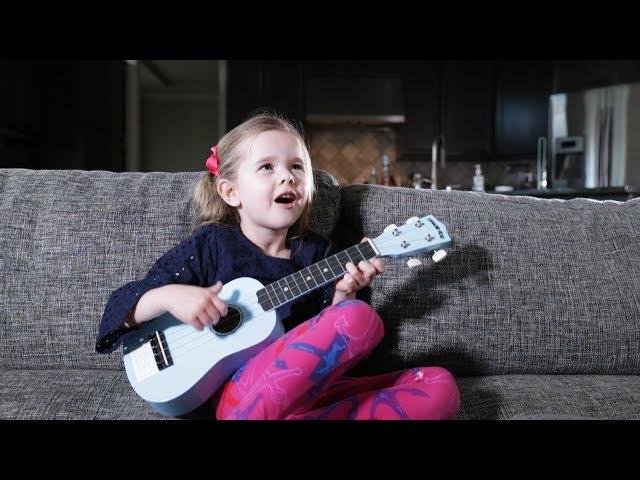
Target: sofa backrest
x: 529, y: 286
x: 68, y: 238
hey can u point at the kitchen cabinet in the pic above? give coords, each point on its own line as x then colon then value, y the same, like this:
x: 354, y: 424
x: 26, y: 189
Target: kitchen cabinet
x: 483, y: 109
x: 351, y: 67
x: 274, y: 85
x: 13, y: 74
x: 83, y: 115
x: 574, y: 75
x: 282, y: 88
x: 100, y: 97
x: 243, y: 90
x: 628, y: 71
x: 422, y: 106
x: 62, y: 114
x: 467, y: 109
x: 522, y: 106
x: 453, y: 99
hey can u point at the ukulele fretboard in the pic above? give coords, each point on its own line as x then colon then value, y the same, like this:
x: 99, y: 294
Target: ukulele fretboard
x: 315, y: 276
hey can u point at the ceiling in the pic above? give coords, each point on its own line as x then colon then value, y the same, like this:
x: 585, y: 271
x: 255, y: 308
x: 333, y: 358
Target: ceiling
x: 184, y: 76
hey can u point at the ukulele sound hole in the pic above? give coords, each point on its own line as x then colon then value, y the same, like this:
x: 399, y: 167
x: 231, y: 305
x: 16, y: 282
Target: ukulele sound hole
x: 229, y: 323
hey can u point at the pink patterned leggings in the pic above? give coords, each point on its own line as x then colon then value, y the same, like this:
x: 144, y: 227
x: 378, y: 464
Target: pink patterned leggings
x: 300, y: 376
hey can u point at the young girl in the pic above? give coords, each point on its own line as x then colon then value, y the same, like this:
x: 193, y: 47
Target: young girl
x: 253, y: 221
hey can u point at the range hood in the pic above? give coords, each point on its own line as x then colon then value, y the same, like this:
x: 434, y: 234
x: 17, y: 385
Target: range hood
x: 355, y: 100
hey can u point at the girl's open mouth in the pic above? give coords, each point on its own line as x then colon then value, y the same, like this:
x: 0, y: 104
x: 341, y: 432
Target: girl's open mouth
x: 286, y: 198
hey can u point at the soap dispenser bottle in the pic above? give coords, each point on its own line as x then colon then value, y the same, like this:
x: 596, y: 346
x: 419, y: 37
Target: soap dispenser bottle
x: 478, y: 180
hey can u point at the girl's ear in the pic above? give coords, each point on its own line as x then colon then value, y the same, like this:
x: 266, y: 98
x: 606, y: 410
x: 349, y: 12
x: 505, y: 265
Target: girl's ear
x: 227, y: 190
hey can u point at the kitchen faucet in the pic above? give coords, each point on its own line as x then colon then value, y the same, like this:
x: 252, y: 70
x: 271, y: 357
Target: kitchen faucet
x: 541, y: 164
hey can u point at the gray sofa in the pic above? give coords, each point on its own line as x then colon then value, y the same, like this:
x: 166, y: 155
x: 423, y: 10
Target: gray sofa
x: 536, y: 309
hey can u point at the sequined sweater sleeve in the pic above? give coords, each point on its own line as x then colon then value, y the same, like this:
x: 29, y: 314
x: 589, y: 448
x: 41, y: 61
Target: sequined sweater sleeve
x: 190, y: 262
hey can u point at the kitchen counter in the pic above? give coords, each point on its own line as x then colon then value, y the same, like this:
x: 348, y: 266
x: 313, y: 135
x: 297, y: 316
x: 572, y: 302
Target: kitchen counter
x: 609, y: 193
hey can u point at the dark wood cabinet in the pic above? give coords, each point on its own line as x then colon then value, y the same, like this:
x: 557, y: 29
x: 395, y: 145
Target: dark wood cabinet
x: 62, y: 115
x: 243, y: 90
x: 522, y: 106
x: 467, y: 109
x: 422, y: 106
x: 450, y: 98
x: 574, y: 75
x: 83, y: 116
x: 15, y: 78
x: 273, y: 85
x: 13, y: 74
x: 283, y: 89
x: 483, y: 109
x: 100, y: 94
x: 628, y: 71
x: 453, y: 99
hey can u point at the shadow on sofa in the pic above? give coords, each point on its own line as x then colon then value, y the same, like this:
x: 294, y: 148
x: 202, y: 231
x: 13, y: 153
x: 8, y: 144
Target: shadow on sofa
x: 471, y: 262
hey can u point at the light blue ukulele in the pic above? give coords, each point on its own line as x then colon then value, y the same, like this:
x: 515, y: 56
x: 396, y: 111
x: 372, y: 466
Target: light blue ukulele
x: 176, y: 368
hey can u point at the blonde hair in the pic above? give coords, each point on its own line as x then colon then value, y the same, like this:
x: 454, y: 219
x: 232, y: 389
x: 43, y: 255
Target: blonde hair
x: 209, y: 205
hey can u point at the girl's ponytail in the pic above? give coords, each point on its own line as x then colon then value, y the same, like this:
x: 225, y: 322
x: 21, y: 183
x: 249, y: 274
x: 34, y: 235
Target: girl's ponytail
x: 209, y: 205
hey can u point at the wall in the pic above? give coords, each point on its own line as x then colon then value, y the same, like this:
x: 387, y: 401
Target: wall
x: 177, y: 131
x: 182, y: 105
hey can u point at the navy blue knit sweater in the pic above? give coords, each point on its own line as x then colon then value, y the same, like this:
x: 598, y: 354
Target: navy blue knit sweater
x: 212, y: 253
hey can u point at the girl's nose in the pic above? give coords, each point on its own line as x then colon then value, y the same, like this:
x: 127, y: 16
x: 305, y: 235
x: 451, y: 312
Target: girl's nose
x: 287, y: 178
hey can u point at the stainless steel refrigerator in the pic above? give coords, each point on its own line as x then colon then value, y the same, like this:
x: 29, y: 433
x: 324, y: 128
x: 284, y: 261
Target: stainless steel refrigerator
x: 595, y: 137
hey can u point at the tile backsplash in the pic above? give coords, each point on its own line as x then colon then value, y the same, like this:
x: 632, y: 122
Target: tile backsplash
x: 349, y: 153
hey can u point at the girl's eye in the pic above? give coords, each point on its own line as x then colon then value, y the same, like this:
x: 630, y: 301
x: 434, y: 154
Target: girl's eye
x: 268, y: 166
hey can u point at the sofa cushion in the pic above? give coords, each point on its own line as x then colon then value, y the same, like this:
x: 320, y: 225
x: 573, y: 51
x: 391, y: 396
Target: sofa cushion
x: 70, y: 238
x: 101, y: 394
x: 70, y: 395
x: 549, y: 397
x: 529, y: 286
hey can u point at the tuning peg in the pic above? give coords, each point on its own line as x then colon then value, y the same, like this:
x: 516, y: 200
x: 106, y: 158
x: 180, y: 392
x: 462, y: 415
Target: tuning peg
x: 390, y: 227
x: 438, y: 255
x: 412, y: 220
x: 413, y: 262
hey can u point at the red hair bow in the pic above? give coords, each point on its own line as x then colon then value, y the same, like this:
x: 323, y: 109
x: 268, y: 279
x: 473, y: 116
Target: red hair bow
x: 212, y: 161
